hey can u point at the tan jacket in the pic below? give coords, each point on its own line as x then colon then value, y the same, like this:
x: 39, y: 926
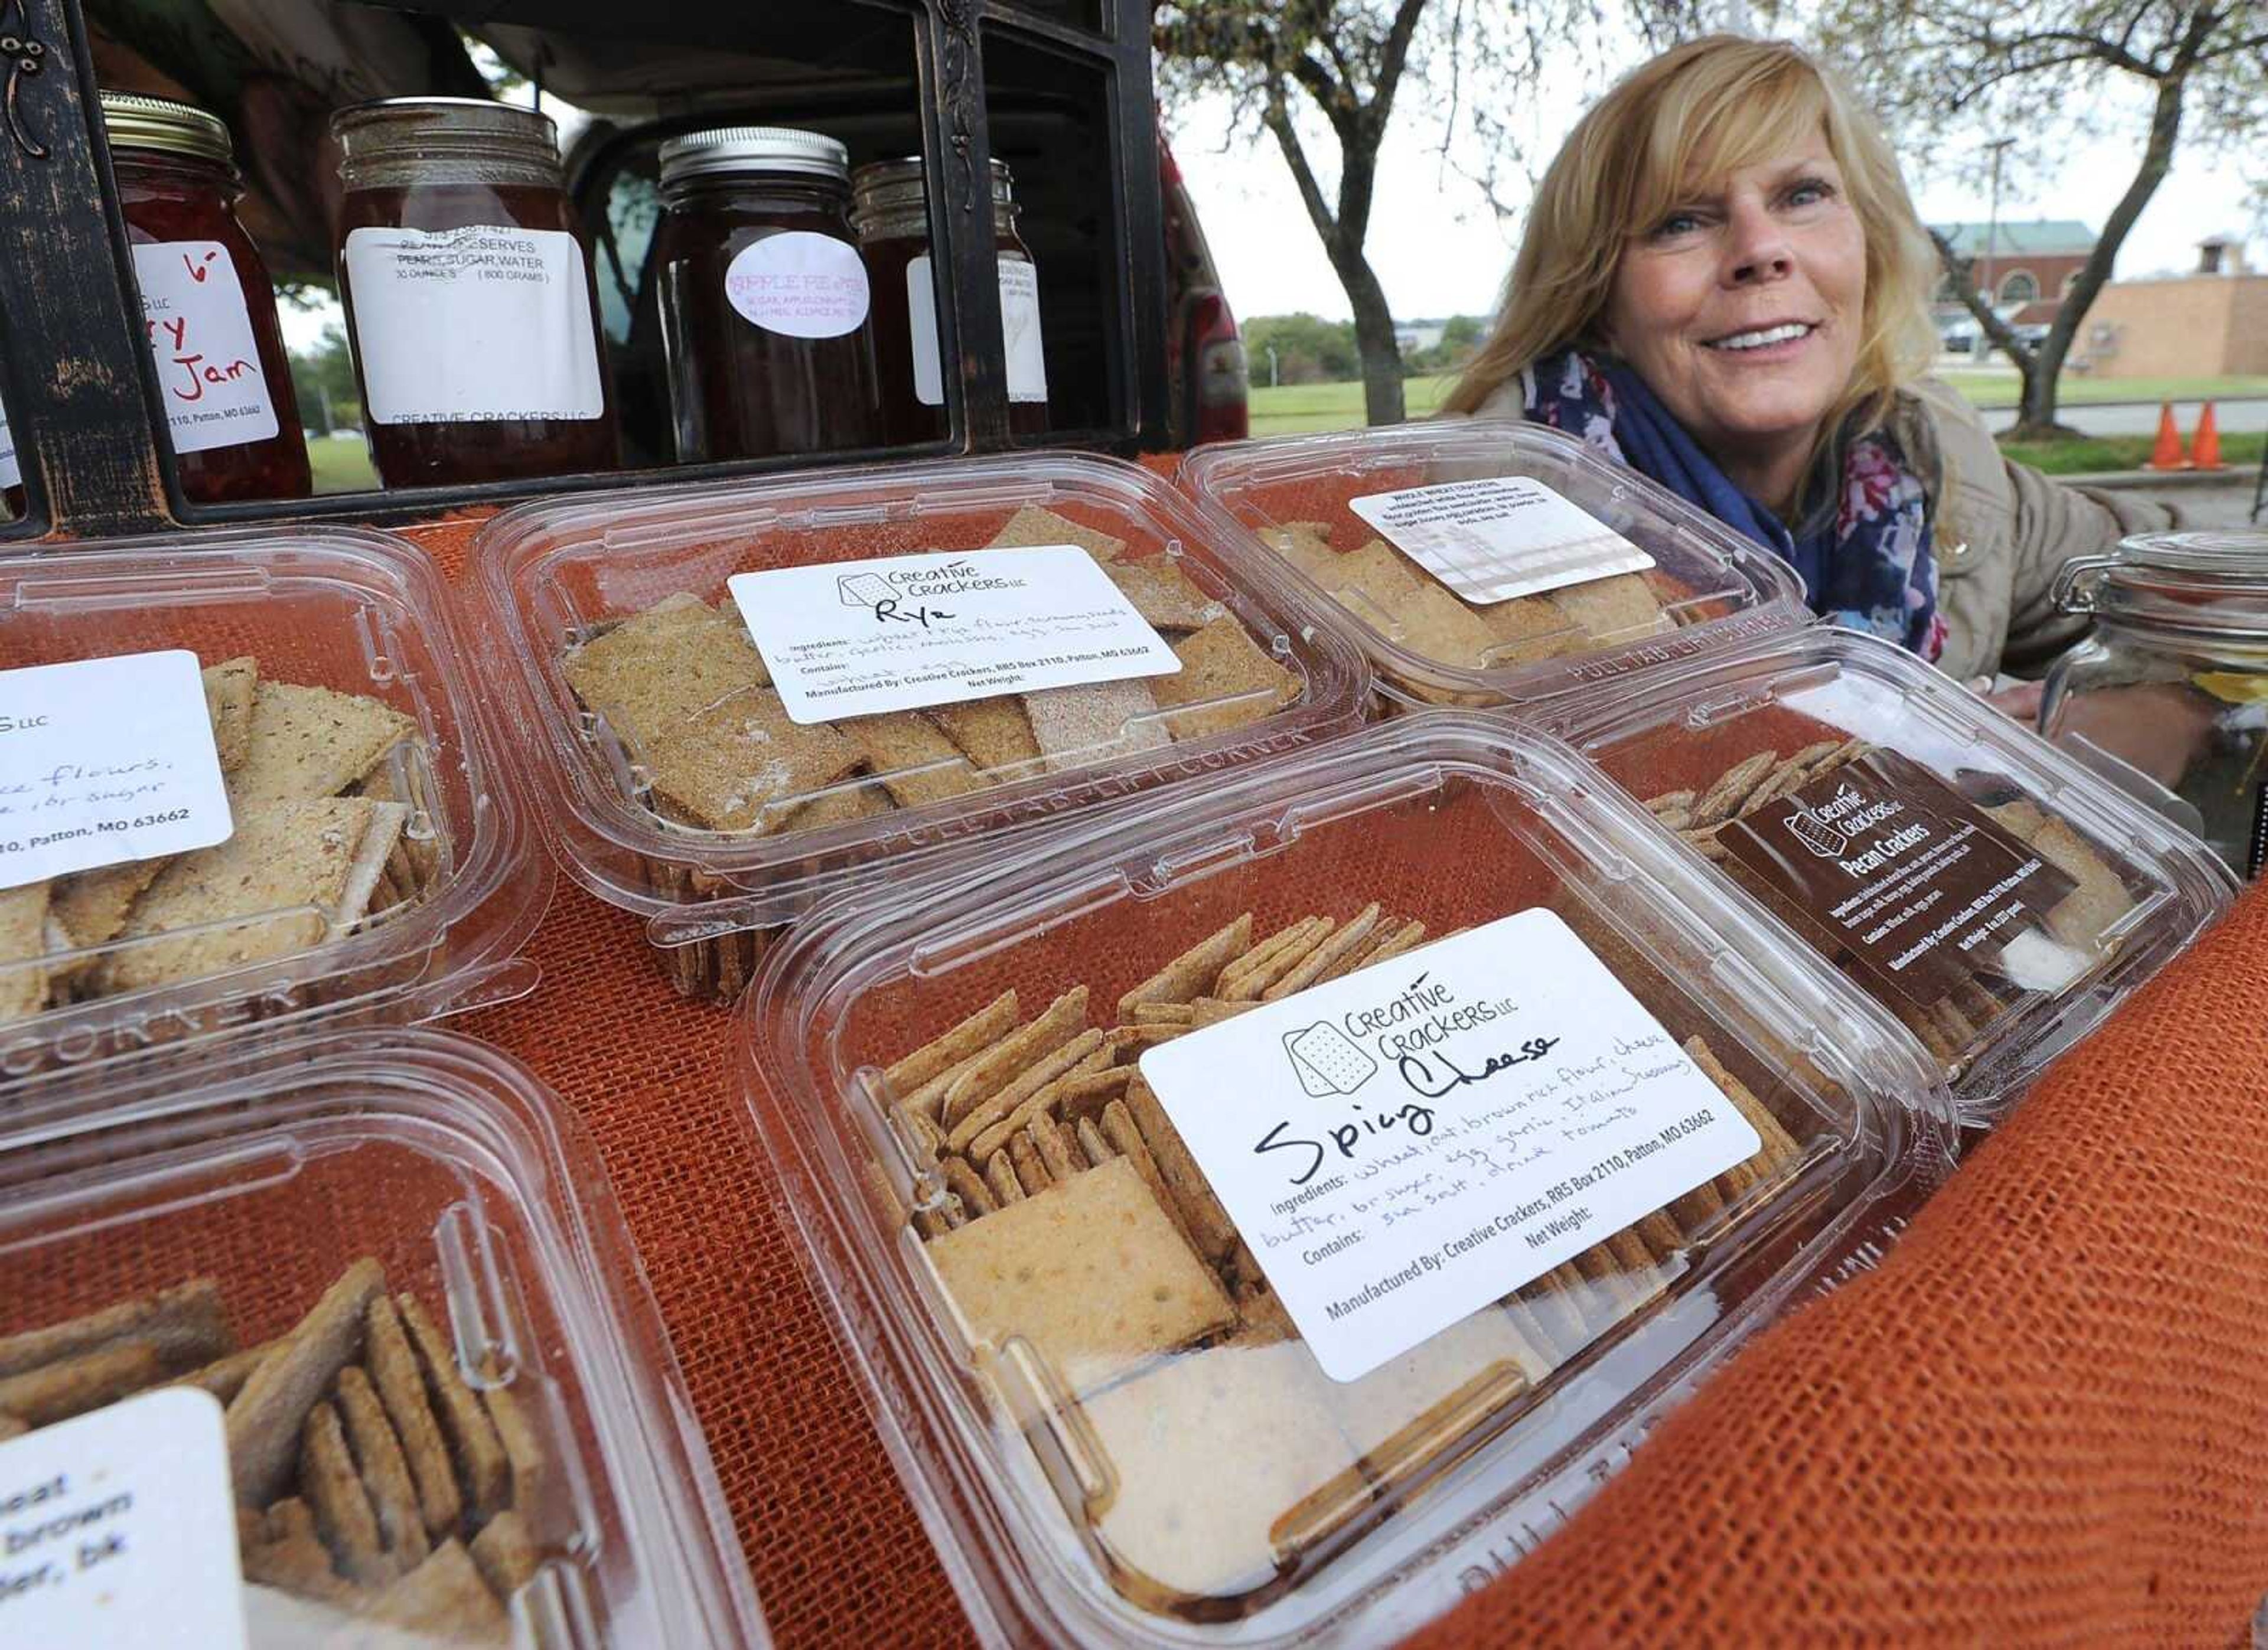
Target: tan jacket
x: 1999, y: 538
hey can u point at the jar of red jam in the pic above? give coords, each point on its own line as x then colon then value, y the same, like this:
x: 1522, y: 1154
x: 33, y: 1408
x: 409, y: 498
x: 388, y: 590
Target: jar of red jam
x: 890, y: 212
x: 469, y: 295
x: 765, y: 311
x: 222, y: 377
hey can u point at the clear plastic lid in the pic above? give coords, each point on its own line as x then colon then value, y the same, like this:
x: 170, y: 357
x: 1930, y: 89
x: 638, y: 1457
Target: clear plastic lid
x: 714, y: 779
x: 445, y: 1402
x: 1484, y: 562
x: 2212, y: 586
x: 1994, y: 894
x: 1554, y: 1122
x: 251, y: 780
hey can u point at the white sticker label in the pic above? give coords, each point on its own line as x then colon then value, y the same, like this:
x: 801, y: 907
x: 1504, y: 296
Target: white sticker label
x: 208, y: 373
x: 103, y: 760
x: 900, y: 632
x: 119, y: 1528
x: 1500, y: 537
x: 799, y: 284
x: 1405, y: 1145
x: 11, y: 472
x: 1019, y: 328
x: 480, y: 325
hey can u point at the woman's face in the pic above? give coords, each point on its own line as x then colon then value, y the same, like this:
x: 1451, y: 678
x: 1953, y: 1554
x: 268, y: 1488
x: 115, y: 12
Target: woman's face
x: 1742, y: 309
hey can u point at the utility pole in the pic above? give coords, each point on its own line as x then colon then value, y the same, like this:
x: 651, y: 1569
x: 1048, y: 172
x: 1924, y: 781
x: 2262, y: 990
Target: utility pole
x: 1271, y: 364
x: 2000, y: 146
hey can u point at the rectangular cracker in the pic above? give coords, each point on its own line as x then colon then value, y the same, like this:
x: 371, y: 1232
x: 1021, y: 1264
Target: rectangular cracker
x: 665, y: 666
x: 911, y: 754
x: 1222, y: 663
x: 507, y: 1554
x: 1201, y: 1212
x: 343, y: 1514
x: 85, y: 1381
x: 1189, y: 974
x: 1380, y: 576
x: 401, y: 1390
x: 1435, y: 625
x: 998, y: 1066
x: 385, y: 1477
x: 225, y: 1377
x: 1164, y: 1014
x: 1779, y: 1148
x: 1082, y: 1054
x: 1164, y: 595
x: 530, y: 1463
x: 964, y: 1183
x: 1093, y: 1141
x: 482, y: 1470
x: 1054, y: 1151
x: 987, y: 1129
x: 22, y: 939
x: 305, y: 743
x: 1344, y: 943
x: 1000, y: 1175
x: 1248, y: 984
x: 1032, y: 1173
x: 1095, y: 723
x: 991, y: 732
x: 727, y: 764
x: 444, y: 1597
x: 1091, y: 1272
x: 231, y: 693
x: 1385, y: 946
x: 183, y: 1323
x: 1033, y: 526
x: 265, y: 1420
x: 1211, y: 1011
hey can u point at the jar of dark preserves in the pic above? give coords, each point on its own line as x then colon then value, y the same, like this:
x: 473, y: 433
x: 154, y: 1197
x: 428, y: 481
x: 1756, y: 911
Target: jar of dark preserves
x: 222, y: 377
x: 765, y: 311
x: 469, y: 295
x: 890, y: 212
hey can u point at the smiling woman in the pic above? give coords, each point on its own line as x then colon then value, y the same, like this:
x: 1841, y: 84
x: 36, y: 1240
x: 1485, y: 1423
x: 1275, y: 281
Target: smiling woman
x: 1723, y: 284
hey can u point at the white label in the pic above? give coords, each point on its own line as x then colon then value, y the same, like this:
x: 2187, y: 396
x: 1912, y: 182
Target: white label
x: 11, y: 473
x: 802, y: 285
x: 1500, y: 537
x: 1403, y: 1146
x: 119, y: 1528
x: 200, y: 337
x: 1020, y: 327
x: 104, y: 760
x: 479, y: 325
x: 899, y: 632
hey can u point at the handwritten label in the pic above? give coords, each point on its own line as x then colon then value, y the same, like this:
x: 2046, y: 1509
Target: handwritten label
x: 799, y: 284
x: 899, y: 632
x: 200, y: 337
x: 1019, y: 331
x: 1500, y: 537
x: 1405, y: 1145
x: 103, y: 760
x: 119, y: 1528
x: 481, y: 324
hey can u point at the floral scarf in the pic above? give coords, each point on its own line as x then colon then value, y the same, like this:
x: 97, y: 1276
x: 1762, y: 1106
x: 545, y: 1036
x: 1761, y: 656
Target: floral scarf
x: 1865, y: 562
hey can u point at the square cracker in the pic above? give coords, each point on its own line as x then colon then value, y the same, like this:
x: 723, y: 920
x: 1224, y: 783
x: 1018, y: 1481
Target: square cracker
x: 1435, y: 625
x: 1536, y: 627
x: 1379, y: 574
x: 1217, y: 1457
x: 1033, y: 526
x: 918, y: 763
x: 1093, y: 723
x: 724, y: 765
x: 1164, y: 595
x: 1412, y: 1407
x: 991, y: 732
x: 92, y: 906
x: 1091, y: 1272
x: 1222, y: 662
x: 23, y: 936
x: 665, y: 666
x: 308, y: 742
x: 1611, y: 608
x: 1306, y: 545
x: 231, y: 690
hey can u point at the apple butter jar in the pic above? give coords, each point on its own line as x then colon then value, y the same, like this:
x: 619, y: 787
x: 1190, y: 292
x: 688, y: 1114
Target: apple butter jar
x: 469, y: 295
x: 222, y: 377
x: 765, y: 311
x: 889, y: 210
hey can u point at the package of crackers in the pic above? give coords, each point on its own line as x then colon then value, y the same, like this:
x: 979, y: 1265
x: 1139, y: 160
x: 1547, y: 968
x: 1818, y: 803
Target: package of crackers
x: 374, y: 1279
x: 252, y: 781
x: 1253, y: 1206
x: 1479, y: 562
x: 1994, y: 895
x: 739, y: 699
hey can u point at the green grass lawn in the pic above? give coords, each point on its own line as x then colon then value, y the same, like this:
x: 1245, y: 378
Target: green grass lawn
x: 2090, y: 454
x: 341, y: 465
x: 2003, y: 390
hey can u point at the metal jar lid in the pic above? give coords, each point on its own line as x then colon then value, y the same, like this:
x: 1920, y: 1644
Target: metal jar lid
x: 760, y: 149
x: 2195, y: 584
x: 892, y: 192
x: 404, y: 143
x: 168, y: 128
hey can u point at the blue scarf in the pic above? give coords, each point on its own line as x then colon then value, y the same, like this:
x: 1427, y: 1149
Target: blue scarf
x: 1866, y: 563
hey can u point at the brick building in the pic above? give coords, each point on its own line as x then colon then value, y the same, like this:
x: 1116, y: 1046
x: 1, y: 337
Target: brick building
x: 2023, y: 267
x: 2208, y: 324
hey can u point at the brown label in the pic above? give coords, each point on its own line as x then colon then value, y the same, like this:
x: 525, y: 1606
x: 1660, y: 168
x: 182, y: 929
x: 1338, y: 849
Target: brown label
x: 1887, y: 865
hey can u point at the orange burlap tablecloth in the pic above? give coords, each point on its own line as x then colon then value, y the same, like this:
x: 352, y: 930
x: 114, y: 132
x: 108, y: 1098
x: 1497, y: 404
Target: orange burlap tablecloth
x: 2044, y: 1420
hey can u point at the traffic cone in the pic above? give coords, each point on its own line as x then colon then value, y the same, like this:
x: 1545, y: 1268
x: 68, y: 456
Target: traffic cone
x: 2204, y: 451
x: 2167, y: 455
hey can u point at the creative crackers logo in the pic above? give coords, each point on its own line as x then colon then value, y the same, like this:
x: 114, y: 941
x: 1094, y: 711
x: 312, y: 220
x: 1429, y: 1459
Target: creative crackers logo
x: 903, y: 595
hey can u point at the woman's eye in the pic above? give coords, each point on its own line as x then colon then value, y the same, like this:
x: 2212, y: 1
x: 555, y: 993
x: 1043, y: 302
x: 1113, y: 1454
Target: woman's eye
x: 1676, y: 224
x: 1810, y: 192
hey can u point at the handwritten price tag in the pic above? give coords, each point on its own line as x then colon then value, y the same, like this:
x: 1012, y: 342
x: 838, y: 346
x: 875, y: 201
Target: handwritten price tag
x: 200, y: 337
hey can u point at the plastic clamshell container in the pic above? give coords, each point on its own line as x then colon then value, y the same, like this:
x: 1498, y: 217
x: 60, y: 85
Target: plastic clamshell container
x: 557, y: 577
x: 2139, y: 888
x: 367, y: 722
x: 270, y: 1185
x: 1709, y: 586
x: 1224, y: 1490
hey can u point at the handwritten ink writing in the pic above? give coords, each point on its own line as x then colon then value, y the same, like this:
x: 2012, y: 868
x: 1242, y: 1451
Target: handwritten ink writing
x: 1436, y: 1077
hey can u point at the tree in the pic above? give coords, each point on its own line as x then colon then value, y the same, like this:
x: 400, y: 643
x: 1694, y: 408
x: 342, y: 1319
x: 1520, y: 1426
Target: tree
x: 323, y: 379
x: 1308, y: 349
x: 2037, y: 69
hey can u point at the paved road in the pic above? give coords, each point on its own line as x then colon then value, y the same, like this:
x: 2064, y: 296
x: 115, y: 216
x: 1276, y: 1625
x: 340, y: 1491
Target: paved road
x: 2141, y: 419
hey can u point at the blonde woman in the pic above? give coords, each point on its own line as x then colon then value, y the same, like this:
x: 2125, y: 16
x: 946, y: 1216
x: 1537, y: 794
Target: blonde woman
x: 1723, y: 284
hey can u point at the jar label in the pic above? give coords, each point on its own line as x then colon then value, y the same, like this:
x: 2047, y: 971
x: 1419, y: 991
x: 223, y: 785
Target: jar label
x: 1020, y: 327
x: 903, y: 632
x: 487, y: 324
x: 799, y: 284
x: 208, y: 361
x: 103, y: 760
x: 1405, y: 1144
x: 121, y: 1528
x: 1500, y: 537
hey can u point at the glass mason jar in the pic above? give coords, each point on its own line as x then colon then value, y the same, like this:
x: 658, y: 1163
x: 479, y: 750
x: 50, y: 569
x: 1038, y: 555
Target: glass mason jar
x: 764, y: 300
x: 223, y: 376
x: 890, y: 211
x: 2174, y: 680
x: 469, y: 295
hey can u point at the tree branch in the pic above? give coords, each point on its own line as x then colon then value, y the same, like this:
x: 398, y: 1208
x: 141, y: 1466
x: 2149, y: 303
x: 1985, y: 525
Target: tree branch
x: 1965, y: 288
x: 1278, y: 119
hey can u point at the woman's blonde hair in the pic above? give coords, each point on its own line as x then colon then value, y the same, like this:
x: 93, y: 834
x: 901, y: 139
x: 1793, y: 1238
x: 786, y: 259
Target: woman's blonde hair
x: 1686, y: 122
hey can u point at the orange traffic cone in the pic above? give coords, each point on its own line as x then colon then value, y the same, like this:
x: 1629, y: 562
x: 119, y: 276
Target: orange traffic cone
x: 2167, y: 455
x: 2204, y: 451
